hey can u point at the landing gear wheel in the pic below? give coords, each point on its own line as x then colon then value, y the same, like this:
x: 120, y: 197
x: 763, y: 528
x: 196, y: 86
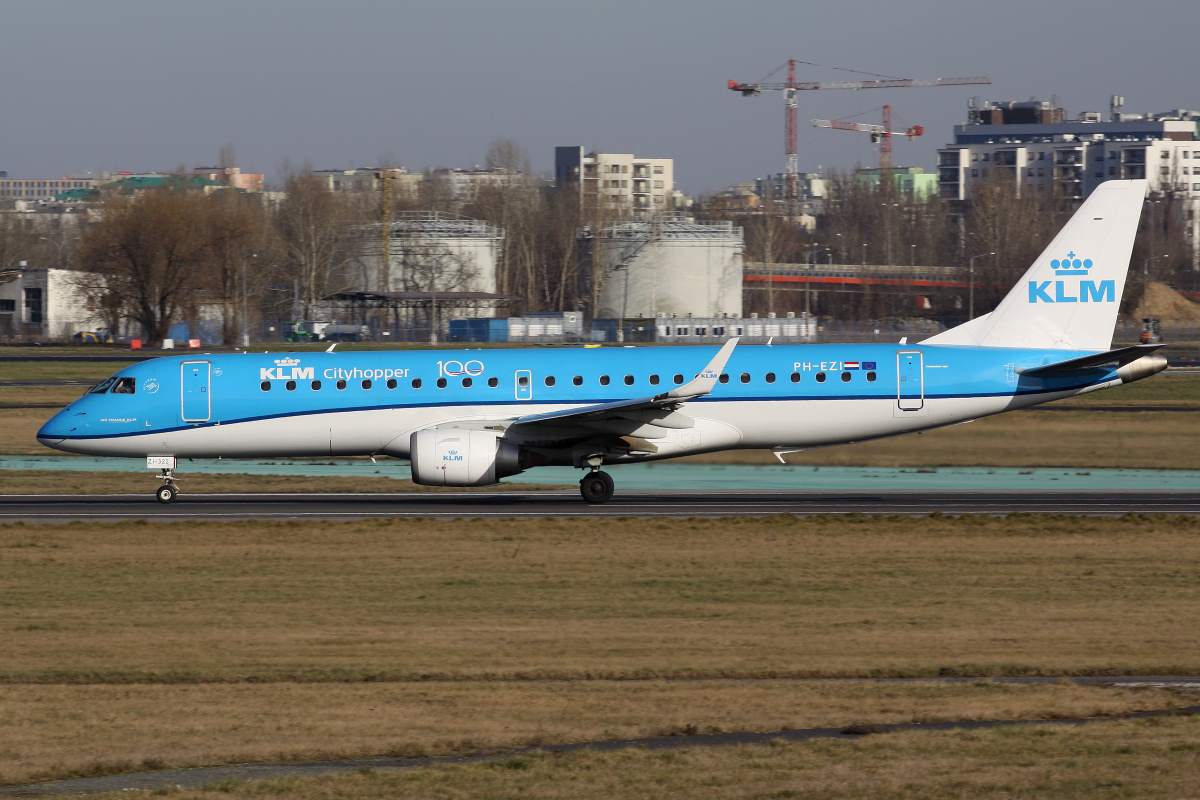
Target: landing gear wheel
x: 165, y: 493
x: 596, y: 487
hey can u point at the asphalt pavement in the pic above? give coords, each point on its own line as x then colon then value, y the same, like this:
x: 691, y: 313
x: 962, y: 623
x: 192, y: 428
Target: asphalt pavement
x: 567, y: 503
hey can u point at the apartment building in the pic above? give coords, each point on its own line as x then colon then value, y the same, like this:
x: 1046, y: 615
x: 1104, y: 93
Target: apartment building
x: 1032, y: 146
x: 643, y: 186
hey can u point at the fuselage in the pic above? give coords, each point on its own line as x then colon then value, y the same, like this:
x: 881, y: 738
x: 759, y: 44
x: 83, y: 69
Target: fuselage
x: 367, y: 403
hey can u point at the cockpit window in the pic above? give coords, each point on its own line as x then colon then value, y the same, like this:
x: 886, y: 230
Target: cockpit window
x: 124, y: 386
x: 102, y: 386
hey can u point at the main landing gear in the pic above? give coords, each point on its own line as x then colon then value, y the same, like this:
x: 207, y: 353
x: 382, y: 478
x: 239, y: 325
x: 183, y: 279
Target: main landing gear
x: 166, y: 493
x: 596, y: 487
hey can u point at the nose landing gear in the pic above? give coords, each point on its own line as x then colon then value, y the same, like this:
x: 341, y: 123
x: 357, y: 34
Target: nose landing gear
x: 166, y: 493
x: 596, y: 487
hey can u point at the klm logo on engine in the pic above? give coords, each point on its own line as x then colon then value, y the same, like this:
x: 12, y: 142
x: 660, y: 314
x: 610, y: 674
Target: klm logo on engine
x: 286, y: 369
x: 1072, y: 291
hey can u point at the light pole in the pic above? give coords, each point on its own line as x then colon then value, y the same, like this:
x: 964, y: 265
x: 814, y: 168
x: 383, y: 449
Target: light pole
x: 971, y: 286
x: 812, y: 266
x: 864, y: 254
x: 888, y: 223
x: 912, y: 255
x: 1146, y: 280
x: 245, y: 304
x: 841, y: 248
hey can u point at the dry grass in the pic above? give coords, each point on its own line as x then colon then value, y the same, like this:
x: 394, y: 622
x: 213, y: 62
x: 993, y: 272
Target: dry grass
x: 1145, y: 759
x: 135, y: 646
x: 55, y: 732
x: 410, y: 599
x: 1069, y: 439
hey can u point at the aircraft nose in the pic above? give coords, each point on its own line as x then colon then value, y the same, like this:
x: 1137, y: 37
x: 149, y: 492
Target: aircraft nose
x: 55, y: 430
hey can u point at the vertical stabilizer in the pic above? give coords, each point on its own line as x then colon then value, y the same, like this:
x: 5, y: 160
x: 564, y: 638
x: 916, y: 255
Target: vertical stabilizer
x: 1069, y: 298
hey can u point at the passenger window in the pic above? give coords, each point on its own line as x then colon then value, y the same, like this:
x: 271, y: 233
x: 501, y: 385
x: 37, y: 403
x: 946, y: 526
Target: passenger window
x: 549, y: 380
x: 467, y: 383
x: 265, y: 386
x: 493, y: 382
x: 577, y: 380
x: 870, y: 377
x: 416, y: 383
x: 441, y: 383
x: 523, y: 381
x: 820, y: 377
x: 290, y: 386
x: 678, y: 380
x: 845, y: 377
x: 391, y: 384
x: 769, y: 377
x: 795, y: 377
x: 745, y: 378
x: 629, y: 380
x: 604, y: 380
x: 124, y: 386
x: 654, y: 380
x: 724, y: 378
x: 341, y: 385
x: 366, y: 384
x: 316, y: 386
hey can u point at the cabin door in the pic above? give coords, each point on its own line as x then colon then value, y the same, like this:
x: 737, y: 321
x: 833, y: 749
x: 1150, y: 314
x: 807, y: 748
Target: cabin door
x: 910, y: 379
x: 197, y: 400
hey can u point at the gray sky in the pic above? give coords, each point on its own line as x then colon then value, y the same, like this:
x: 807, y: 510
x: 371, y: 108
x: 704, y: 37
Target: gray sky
x: 146, y: 85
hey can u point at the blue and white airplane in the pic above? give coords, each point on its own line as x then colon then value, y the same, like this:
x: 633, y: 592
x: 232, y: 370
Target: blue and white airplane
x: 470, y: 418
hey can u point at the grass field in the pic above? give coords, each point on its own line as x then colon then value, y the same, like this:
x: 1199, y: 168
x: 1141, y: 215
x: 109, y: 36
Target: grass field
x: 1156, y: 758
x: 133, y: 646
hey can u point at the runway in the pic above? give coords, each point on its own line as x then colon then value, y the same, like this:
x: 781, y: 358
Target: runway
x: 567, y: 503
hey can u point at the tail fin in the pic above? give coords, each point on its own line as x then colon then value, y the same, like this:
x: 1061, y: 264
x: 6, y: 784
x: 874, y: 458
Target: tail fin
x: 1068, y: 299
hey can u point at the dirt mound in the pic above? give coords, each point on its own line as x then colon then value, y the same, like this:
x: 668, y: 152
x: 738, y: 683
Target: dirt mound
x: 1163, y: 302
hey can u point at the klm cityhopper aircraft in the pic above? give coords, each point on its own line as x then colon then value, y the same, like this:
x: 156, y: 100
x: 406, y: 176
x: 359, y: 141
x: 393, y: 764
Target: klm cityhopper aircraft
x: 470, y: 418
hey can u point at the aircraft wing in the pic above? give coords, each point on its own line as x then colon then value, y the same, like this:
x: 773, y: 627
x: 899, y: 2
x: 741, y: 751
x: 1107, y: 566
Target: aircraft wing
x: 1121, y: 356
x: 699, y: 386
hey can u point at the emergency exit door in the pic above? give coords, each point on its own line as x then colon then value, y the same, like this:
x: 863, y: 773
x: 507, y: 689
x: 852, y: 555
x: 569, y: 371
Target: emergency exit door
x: 910, y: 379
x: 197, y: 399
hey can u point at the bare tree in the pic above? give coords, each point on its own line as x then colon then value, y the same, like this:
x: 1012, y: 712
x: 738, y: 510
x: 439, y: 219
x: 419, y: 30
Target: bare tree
x: 144, y: 255
x: 320, y: 232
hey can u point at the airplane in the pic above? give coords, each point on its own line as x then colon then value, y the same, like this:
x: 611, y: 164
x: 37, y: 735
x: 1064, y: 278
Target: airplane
x: 471, y: 417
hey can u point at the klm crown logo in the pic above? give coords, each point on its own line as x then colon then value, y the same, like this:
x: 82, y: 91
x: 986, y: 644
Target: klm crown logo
x: 291, y: 362
x: 1071, y: 266
x: 1083, y: 291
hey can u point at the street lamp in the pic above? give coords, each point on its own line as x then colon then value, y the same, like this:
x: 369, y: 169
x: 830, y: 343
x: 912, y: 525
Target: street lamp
x: 841, y: 248
x: 888, y: 223
x: 1146, y: 280
x: 812, y: 255
x: 864, y: 255
x: 971, y: 284
x: 245, y: 304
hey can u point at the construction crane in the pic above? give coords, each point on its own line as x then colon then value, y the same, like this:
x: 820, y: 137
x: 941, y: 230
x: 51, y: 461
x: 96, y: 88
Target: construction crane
x: 879, y: 133
x: 791, y: 86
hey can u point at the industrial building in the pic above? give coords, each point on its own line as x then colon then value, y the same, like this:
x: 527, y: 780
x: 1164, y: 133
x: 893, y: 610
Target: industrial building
x: 665, y: 266
x: 44, y: 304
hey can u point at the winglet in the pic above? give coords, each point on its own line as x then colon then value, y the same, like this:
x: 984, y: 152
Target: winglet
x: 330, y: 350
x: 703, y: 383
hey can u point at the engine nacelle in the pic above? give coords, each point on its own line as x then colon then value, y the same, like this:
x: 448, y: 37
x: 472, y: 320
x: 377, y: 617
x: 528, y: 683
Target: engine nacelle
x: 457, y: 457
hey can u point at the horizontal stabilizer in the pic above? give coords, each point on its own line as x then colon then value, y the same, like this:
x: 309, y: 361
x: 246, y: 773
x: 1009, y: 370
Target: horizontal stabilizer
x: 1121, y: 356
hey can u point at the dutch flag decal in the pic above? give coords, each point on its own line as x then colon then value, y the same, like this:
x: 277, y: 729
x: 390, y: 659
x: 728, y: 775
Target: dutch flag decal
x: 850, y: 365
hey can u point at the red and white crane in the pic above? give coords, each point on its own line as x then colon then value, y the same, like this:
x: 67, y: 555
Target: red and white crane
x: 879, y: 133
x: 791, y: 86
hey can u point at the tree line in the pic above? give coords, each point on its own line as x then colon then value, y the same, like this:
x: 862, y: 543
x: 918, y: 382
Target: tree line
x: 157, y: 257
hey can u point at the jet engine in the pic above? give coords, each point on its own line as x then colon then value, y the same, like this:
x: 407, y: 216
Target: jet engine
x: 457, y: 457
